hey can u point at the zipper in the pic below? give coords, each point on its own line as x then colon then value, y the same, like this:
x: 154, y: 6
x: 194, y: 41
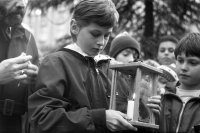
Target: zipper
x: 180, y: 117
x: 96, y: 67
x: 181, y: 114
x: 97, y: 70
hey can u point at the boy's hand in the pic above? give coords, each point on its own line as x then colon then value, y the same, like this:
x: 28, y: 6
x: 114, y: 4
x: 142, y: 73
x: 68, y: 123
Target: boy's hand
x: 154, y: 104
x: 11, y: 69
x: 116, y: 121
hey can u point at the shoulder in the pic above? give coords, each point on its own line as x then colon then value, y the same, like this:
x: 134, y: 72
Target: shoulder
x: 59, y: 57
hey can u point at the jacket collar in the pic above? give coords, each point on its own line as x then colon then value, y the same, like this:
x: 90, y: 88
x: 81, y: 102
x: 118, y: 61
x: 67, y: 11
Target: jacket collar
x: 76, y: 48
x: 97, y: 58
x: 18, y: 32
x: 2, y: 31
x: 15, y: 32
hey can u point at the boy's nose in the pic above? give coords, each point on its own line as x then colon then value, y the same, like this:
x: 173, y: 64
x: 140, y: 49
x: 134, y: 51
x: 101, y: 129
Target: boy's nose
x: 130, y: 59
x: 184, y: 67
x: 166, y: 52
x: 101, y: 41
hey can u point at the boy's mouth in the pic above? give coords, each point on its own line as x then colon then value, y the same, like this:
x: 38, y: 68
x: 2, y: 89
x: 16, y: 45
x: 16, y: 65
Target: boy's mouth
x: 96, y: 49
x: 184, y: 75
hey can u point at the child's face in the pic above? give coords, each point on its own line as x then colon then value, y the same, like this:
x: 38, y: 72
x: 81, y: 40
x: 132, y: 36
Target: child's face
x: 93, y: 38
x: 166, y: 53
x: 127, y: 56
x: 188, y: 69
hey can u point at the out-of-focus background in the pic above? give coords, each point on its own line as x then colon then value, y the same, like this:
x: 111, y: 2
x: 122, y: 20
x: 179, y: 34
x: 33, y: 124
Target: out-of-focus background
x: 145, y: 20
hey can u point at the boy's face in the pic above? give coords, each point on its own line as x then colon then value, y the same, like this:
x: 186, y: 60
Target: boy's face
x: 93, y: 38
x: 12, y: 11
x: 188, y: 69
x: 126, y: 56
x: 166, y: 53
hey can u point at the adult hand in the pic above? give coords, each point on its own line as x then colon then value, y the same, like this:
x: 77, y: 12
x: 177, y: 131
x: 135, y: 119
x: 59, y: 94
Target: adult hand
x: 154, y: 104
x: 31, y: 71
x: 116, y: 121
x: 11, y: 69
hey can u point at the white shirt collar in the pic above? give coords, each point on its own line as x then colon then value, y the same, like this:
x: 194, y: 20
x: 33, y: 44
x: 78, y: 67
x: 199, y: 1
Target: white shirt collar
x: 77, y: 49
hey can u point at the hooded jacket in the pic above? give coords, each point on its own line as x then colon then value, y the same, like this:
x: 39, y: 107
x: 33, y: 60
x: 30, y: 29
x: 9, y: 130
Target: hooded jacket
x: 178, y: 116
x: 71, y: 94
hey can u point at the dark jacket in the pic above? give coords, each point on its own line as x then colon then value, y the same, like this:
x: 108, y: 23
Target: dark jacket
x: 71, y: 94
x: 175, y: 111
x: 15, y: 94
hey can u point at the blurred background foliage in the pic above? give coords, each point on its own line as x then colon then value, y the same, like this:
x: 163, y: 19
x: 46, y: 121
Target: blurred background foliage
x: 145, y: 20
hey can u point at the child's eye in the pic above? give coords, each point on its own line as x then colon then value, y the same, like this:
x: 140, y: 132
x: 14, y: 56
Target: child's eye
x: 125, y: 54
x: 193, y: 63
x: 162, y: 50
x: 171, y: 50
x: 95, y: 34
x: 180, y: 61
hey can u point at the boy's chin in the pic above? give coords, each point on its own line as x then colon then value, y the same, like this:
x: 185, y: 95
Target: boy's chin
x: 93, y: 54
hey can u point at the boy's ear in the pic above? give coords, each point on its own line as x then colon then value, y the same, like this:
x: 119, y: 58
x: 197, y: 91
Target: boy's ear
x: 74, y: 27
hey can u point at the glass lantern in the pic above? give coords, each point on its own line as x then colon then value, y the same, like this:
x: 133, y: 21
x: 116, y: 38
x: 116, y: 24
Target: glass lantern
x: 144, y: 80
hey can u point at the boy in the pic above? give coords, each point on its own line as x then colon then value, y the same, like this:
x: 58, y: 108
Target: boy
x: 72, y: 85
x: 180, y: 112
x: 165, y: 52
x: 124, y: 48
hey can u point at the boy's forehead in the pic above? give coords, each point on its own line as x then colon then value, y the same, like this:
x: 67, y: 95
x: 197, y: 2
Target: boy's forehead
x: 94, y: 26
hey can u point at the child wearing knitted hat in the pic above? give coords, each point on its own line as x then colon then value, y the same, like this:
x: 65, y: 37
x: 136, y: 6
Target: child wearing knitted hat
x: 124, y: 48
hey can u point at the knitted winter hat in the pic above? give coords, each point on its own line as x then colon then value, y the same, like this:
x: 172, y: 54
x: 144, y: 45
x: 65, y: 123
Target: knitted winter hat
x: 122, y: 42
x: 169, y: 73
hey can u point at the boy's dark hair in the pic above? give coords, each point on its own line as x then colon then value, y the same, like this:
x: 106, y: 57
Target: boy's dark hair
x: 167, y: 38
x: 189, y: 45
x: 100, y: 12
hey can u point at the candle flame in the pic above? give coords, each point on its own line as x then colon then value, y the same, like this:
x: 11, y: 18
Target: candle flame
x: 133, y: 96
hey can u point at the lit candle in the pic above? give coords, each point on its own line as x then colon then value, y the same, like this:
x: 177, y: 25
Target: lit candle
x: 130, y: 107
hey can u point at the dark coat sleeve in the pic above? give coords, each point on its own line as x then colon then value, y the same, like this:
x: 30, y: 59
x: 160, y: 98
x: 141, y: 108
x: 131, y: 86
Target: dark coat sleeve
x: 51, y: 112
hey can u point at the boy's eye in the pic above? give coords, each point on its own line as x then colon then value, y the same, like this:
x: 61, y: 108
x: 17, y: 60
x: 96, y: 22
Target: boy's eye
x: 194, y: 63
x: 162, y: 50
x: 94, y: 34
x: 180, y: 60
x: 171, y: 50
x: 125, y: 54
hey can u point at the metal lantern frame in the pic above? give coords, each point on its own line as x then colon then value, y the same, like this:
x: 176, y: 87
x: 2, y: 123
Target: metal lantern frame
x: 136, y: 70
